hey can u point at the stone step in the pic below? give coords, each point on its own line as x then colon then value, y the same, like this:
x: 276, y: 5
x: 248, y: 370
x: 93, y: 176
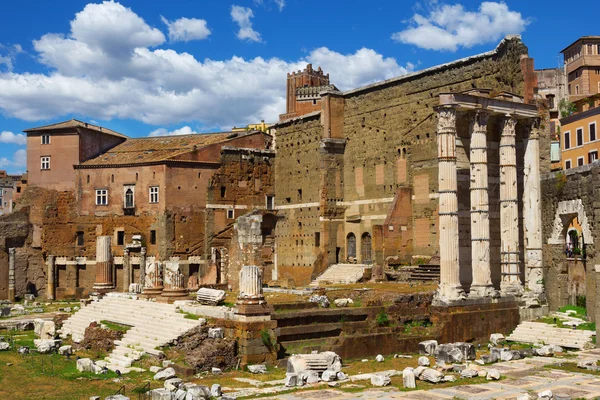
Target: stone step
x: 538, y: 332
x: 341, y: 273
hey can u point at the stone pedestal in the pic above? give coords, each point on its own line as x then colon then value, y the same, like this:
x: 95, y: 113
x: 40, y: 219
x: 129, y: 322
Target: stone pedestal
x: 126, y: 270
x: 509, y: 210
x: 480, y: 221
x: 51, y: 289
x: 174, y: 285
x: 450, y: 288
x: 12, y: 253
x: 104, y: 273
x: 153, y: 283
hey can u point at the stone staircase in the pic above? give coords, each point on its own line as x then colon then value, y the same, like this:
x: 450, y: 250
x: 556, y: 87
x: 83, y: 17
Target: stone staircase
x: 425, y: 272
x: 152, y: 325
x: 341, y: 273
x: 539, y: 332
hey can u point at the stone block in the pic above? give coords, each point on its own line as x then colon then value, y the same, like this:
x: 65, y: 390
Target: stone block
x: 380, y: 380
x: 423, y: 361
x: 431, y: 375
x: 257, y: 369
x: 154, y: 369
x: 469, y: 373
x: 496, y: 338
x: 160, y: 394
x: 173, y: 384
x: 329, y: 376
x: 343, y: 302
x: 428, y: 347
x: 215, y: 390
x: 216, y: 333
x: 492, y: 374
x: 408, y: 378
x: 291, y: 380
x: 379, y: 358
x: 85, y: 365
x: 166, y: 373
x: 44, y: 329
x: 65, y: 350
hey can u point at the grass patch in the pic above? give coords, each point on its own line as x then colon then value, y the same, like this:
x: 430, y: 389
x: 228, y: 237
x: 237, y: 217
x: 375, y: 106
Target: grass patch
x: 188, y: 315
x: 113, y: 326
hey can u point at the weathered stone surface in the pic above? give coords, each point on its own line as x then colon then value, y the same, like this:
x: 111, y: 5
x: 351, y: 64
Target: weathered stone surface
x: 166, y: 373
x: 448, y: 353
x: 495, y: 354
x: 64, y: 350
x: 309, y: 377
x: 329, y: 376
x: 545, y: 395
x: 197, y: 392
x: 449, y: 378
x: 45, y: 346
x: 210, y: 296
x: 379, y: 358
x: 4, y: 346
x: 341, y: 376
x: 216, y: 333
x: 408, y: 378
x: 172, y: 384
x: 215, y: 390
x: 85, y: 365
x: 428, y: 347
x: 586, y: 364
x: 380, y: 380
x: 431, y: 375
x: 160, y: 394
x: 467, y: 349
x: 326, y: 360
x: 322, y: 301
x: 506, y: 355
x: 216, y: 371
x: 117, y: 397
x: 343, y: 302
x: 496, y: 338
x: 291, y: 380
x: 154, y: 369
x: 423, y: 361
x: 44, y: 329
x: 545, y: 351
x: 492, y: 374
x: 418, y: 371
x: 469, y: 373
x: 257, y: 369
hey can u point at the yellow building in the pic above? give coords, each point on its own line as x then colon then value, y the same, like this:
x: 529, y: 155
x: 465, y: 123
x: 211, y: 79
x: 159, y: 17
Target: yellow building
x: 579, y: 134
x: 582, y: 66
x: 253, y: 127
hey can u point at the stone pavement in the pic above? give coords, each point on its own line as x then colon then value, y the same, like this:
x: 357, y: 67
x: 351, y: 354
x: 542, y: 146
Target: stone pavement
x: 522, y: 376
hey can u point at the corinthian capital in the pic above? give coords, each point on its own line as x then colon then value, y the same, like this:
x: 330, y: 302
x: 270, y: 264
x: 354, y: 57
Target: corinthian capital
x: 446, y: 118
x: 479, y: 120
x: 509, y: 124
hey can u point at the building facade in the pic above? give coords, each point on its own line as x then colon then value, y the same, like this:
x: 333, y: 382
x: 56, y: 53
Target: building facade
x: 582, y: 67
x: 579, y: 134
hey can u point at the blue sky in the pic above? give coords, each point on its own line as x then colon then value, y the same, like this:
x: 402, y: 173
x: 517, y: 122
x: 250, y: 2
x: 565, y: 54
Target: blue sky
x: 153, y: 68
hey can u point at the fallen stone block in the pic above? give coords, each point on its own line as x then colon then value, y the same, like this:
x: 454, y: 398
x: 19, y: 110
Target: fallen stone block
x: 117, y: 397
x: 65, y: 350
x: 77, y: 338
x: 85, y: 365
x: 343, y: 302
x: 216, y: 333
x: 173, y: 384
x: 329, y: 376
x: 448, y: 353
x: 449, y: 378
x: 322, y: 301
x: 4, y: 346
x: 44, y: 329
x: 160, y: 394
x: 545, y: 395
x: 166, y: 373
x: 341, y: 376
x: 586, y: 364
x: 166, y: 363
x: 428, y: 347
x: 323, y: 361
x: 215, y: 370
x: 492, y: 374
x: 180, y: 395
x: 196, y: 392
x: 467, y: 349
x: 154, y: 369
x: 408, y: 378
x: 309, y: 377
x: 418, y: 371
x: 215, y: 390
x: 469, y: 373
x: 210, y: 296
x: 556, y: 348
x: 291, y: 380
x: 380, y: 380
x: 506, y: 355
x: 431, y: 375
x: 423, y: 361
x: 45, y: 346
x: 497, y: 338
x: 545, y: 351
x: 379, y: 358
x: 257, y: 369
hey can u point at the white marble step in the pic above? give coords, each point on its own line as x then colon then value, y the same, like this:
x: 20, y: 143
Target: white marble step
x: 538, y: 332
x: 341, y: 273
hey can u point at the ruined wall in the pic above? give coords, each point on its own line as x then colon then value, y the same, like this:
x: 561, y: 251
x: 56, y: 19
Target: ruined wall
x: 569, y: 195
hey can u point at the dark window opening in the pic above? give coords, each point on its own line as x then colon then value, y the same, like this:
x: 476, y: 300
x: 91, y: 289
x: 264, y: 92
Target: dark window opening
x: 580, y: 161
x: 592, y: 156
x: 288, y: 199
x: 567, y: 144
x: 223, y: 191
x: 568, y: 164
x: 592, y: 132
x: 152, y: 237
x: 270, y: 202
x: 120, y: 238
x: 79, y: 238
x: 317, y: 239
x: 579, y: 137
x: 299, y: 194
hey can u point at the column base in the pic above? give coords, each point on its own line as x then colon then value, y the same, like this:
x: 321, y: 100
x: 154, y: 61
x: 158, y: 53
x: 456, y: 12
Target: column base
x: 483, y: 291
x: 511, y: 289
x: 449, y: 293
x: 175, y: 293
x: 152, y: 292
x: 103, y: 287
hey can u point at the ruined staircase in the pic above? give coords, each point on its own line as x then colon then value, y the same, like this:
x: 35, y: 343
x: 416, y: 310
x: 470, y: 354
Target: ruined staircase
x: 341, y: 273
x: 541, y: 333
x: 152, y: 325
x: 425, y: 272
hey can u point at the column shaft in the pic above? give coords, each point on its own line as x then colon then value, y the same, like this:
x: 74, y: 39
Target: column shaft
x: 450, y: 287
x: 104, y: 274
x: 142, y: 266
x: 126, y: 270
x: 480, y: 222
x: 509, y: 212
x: 51, y: 290
x: 12, y: 252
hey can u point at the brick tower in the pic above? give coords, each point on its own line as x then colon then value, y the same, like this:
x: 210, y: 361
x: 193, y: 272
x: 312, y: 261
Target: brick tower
x: 303, y: 88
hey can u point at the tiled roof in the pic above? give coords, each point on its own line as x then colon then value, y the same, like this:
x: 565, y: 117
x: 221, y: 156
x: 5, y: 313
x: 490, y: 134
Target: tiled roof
x: 156, y: 149
x: 74, y: 123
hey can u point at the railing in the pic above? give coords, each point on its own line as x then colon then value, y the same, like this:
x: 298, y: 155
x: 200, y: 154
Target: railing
x: 144, y: 392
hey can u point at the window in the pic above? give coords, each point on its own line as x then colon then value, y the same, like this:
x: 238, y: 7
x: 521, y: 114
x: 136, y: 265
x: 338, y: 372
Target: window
x: 129, y: 197
x: 223, y: 191
x: 101, y: 197
x: 550, y: 98
x: 230, y: 213
x: 120, y: 238
x: 299, y: 194
x: 592, y: 156
x: 567, y: 144
x: 152, y: 237
x: 579, y: 161
x: 45, y: 162
x: 568, y: 164
x: 576, y: 89
x: 317, y: 239
x: 592, y: 131
x: 589, y: 49
x: 270, y: 202
x: 153, y: 194
x: 45, y: 139
x: 18, y: 189
x: 351, y: 245
x: 79, y: 238
x: 88, y: 179
x: 579, y: 137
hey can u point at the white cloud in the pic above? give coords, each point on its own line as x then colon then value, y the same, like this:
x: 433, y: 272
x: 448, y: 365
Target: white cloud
x: 186, y: 29
x: 11, y: 138
x: 18, y: 162
x: 242, y: 15
x: 164, y: 87
x: 280, y: 4
x: 185, y: 130
x: 448, y: 27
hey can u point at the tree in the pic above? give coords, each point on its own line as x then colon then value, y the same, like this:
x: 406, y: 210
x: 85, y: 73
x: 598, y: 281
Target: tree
x: 566, y: 108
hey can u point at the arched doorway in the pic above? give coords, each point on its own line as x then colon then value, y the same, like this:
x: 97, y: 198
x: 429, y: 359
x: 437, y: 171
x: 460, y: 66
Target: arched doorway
x: 351, y: 246
x: 366, y: 248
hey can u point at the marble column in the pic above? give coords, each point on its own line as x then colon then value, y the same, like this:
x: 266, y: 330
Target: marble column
x: 153, y: 281
x: 532, y: 214
x: 174, y: 285
x: 12, y: 252
x: 142, y: 266
x: 126, y: 270
x: 51, y: 289
x: 250, y: 281
x: 480, y: 221
x: 450, y: 288
x: 509, y: 210
x: 104, y: 273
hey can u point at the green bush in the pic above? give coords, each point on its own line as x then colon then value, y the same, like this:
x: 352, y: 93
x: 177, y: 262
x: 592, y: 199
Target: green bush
x: 382, y: 319
x: 265, y: 337
x: 580, y: 301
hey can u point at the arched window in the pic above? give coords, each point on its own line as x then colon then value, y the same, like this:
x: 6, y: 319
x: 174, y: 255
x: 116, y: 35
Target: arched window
x: 366, y: 248
x: 351, y: 245
x: 129, y: 198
